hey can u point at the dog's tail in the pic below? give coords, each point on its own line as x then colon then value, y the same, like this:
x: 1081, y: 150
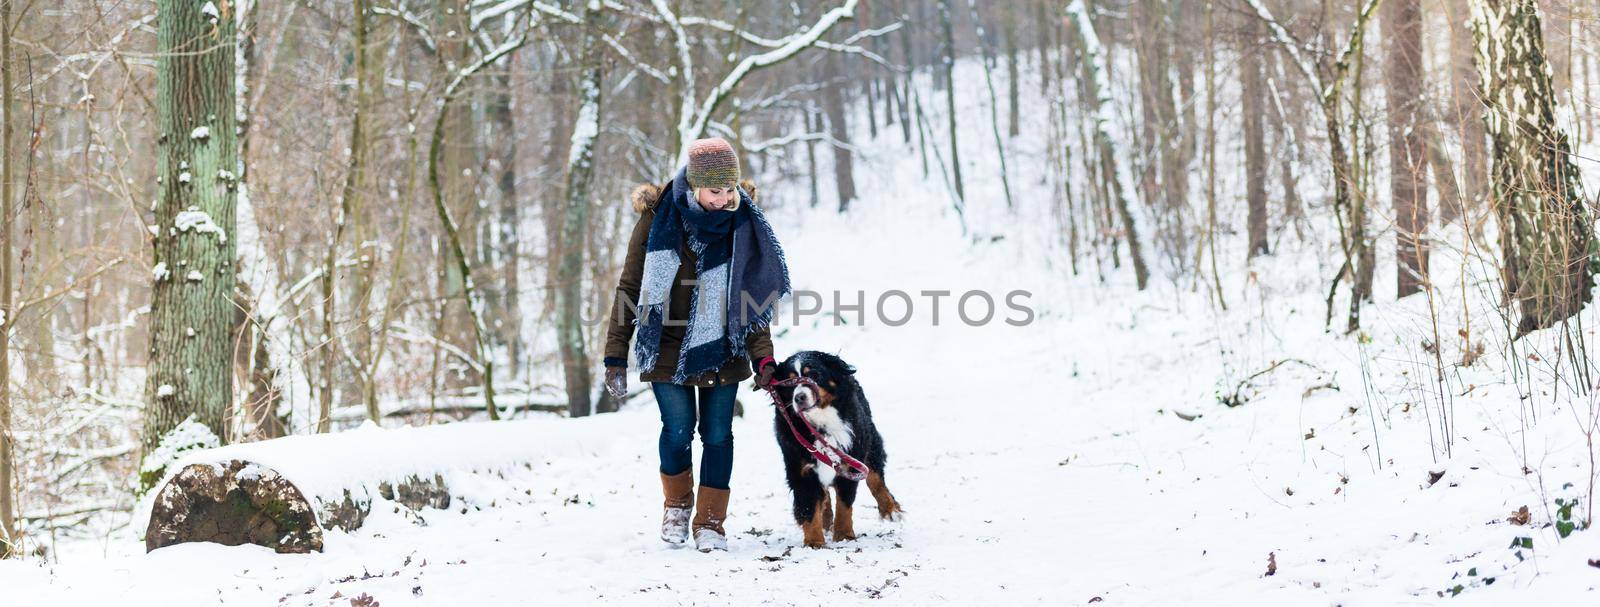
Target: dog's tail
x: 888, y: 507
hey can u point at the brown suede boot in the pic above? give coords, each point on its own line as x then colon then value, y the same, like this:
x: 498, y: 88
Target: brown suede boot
x: 678, y: 490
x: 708, y: 517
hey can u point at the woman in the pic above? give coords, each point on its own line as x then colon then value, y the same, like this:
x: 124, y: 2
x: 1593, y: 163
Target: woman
x: 705, y: 271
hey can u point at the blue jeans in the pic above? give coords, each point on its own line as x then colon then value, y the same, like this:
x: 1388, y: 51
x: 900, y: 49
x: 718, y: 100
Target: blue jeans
x: 715, y: 413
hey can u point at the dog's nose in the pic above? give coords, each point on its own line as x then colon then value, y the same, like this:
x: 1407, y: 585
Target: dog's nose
x: 803, y: 398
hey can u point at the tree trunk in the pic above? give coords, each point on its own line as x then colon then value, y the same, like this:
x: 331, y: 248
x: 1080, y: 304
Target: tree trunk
x: 1546, y: 232
x: 575, y: 227
x: 233, y: 504
x: 1408, y: 154
x: 1254, y: 97
x: 1010, y: 10
x: 994, y: 102
x: 948, y: 65
x: 1042, y: 11
x: 844, y: 179
x: 1467, y: 113
x: 189, y: 371
x: 1096, y: 81
x: 9, y: 541
x: 508, y: 224
x: 1211, y: 153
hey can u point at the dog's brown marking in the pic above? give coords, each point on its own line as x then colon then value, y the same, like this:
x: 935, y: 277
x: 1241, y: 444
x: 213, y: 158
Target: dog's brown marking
x: 813, y: 528
x: 887, y: 506
x: 825, y: 397
x: 844, y: 527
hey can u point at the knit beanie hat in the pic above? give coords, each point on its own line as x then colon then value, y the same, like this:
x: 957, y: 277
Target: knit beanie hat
x: 712, y: 164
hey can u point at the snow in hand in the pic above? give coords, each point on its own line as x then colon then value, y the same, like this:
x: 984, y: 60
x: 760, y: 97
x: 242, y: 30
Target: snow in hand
x: 1087, y: 457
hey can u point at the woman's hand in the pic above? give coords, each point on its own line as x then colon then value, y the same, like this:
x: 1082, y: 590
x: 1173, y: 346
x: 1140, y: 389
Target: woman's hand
x: 617, y: 381
x: 764, y: 377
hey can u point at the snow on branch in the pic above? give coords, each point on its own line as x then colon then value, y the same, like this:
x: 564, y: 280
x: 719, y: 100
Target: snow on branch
x: 1282, y: 37
x: 848, y: 46
x: 610, y: 40
x: 411, y: 19
x: 1328, y: 86
x: 478, y: 14
x: 778, y: 142
x: 693, y: 123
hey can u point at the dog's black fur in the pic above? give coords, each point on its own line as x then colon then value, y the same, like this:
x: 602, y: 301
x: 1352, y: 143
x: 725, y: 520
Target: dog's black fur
x: 839, y: 391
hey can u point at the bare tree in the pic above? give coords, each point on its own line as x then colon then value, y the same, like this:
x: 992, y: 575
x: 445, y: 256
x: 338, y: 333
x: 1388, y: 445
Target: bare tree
x: 1408, y: 154
x: 1349, y: 202
x: 190, y: 375
x: 1253, y: 103
x: 1098, y: 85
x: 1547, y: 231
x: 9, y: 540
x: 948, y: 65
x: 575, y: 223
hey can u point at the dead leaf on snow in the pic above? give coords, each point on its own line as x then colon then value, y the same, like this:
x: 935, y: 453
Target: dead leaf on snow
x: 1520, y: 517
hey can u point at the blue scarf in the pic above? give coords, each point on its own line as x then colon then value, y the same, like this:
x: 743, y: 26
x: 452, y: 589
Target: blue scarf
x: 741, y: 276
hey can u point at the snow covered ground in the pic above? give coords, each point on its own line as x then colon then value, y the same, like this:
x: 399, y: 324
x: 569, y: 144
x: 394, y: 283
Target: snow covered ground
x: 1084, y: 456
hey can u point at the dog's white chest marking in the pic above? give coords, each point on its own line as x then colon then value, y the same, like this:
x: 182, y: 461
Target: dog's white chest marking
x: 832, y: 427
x: 824, y: 472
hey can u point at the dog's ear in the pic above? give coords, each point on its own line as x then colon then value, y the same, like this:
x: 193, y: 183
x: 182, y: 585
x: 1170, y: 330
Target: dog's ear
x: 834, y: 361
x: 844, y: 367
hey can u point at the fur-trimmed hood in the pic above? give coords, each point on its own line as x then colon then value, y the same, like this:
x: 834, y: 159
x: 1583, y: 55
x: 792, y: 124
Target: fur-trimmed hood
x: 646, y: 195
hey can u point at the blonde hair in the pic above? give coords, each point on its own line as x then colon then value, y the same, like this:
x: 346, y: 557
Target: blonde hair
x: 732, y: 206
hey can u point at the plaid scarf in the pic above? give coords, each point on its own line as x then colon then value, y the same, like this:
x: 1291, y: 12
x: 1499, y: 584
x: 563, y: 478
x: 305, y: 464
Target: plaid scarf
x: 741, y: 275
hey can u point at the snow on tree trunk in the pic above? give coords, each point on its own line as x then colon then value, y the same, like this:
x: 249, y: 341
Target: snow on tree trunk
x: 1097, y: 83
x: 285, y: 402
x: 1546, y: 232
x: 575, y: 226
x: 192, y: 309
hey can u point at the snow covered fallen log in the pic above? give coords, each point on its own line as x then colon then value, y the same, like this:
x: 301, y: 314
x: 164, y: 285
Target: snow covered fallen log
x: 286, y: 493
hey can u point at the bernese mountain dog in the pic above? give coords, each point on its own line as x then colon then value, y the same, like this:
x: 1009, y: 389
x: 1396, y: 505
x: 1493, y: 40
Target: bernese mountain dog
x: 837, y: 408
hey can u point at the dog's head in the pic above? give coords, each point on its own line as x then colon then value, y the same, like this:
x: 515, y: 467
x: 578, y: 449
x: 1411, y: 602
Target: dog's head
x: 829, y: 378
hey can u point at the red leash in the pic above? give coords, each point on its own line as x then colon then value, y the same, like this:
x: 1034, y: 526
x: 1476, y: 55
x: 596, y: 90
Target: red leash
x: 824, y: 451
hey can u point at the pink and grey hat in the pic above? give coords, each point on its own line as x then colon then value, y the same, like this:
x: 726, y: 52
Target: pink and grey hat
x: 712, y: 164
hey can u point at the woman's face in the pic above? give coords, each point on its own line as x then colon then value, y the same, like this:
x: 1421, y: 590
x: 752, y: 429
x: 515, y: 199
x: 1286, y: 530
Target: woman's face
x: 715, y: 199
